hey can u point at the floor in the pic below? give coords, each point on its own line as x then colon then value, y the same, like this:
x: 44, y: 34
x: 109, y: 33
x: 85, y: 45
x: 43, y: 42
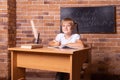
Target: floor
x: 96, y: 77
x: 40, y: 75
x: 40, y: 78
x: 51, y: 76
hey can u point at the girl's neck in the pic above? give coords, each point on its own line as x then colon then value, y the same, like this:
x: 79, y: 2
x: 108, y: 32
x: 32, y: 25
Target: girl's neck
x: 67, y: 36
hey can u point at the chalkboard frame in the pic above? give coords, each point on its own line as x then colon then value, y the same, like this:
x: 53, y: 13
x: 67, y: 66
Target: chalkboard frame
x: 105, y: 18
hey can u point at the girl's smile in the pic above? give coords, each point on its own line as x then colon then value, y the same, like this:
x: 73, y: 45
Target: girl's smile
x: 67, y: 28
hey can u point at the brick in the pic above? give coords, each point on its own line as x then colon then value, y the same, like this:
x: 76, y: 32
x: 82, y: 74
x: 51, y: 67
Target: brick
x: 46, y: 15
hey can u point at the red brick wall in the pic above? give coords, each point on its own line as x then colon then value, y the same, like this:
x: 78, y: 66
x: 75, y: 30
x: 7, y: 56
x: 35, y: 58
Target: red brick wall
x: 3, y: 39
x: 46, y: 16
x: 11, y: 11
x: 7, y: 35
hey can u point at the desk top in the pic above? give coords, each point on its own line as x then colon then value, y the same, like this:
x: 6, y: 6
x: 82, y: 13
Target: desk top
x: 47, y: 50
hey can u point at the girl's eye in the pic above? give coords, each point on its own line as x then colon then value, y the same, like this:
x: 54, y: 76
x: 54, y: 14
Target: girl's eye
x: 68, y: 26
x: 63, y: 26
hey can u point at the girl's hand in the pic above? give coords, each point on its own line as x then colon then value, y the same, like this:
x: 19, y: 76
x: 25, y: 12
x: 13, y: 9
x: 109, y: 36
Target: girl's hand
x: 54, y: 43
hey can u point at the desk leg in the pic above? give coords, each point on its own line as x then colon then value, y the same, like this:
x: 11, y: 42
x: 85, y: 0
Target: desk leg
x: 17, y: 73
x: 75, y: 75
x: 75, y: 67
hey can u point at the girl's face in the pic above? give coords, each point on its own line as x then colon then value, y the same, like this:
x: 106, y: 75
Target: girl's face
x: 67, y: 28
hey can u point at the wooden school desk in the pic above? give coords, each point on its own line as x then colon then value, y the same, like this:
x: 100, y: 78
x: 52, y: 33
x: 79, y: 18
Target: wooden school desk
x: 51, y: 59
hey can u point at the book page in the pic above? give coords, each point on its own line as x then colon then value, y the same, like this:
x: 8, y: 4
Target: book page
x: 62, y: 47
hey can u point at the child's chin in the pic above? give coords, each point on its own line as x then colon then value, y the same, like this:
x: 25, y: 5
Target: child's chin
x: 65, y: 31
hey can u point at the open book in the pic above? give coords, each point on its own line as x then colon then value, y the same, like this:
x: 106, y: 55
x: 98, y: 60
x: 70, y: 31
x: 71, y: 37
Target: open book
x: 62, y: 47
x: 31, y: 46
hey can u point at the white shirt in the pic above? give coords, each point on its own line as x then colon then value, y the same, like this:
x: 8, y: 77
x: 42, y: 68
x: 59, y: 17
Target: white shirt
x: 61, y: 38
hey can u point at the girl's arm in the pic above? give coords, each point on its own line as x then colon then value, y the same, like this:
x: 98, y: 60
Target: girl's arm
x: 54, y: 43
x: 78, y: 43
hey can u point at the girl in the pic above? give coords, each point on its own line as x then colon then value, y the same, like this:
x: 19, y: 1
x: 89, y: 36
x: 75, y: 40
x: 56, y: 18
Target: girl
x: 67, y: 38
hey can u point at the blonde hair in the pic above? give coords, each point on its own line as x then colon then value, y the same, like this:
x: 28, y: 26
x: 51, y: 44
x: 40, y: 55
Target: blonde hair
x: 69, y: 20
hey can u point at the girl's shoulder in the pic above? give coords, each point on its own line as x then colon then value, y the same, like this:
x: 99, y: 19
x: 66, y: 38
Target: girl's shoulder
x: 76, y: 34
x: 60, y: 34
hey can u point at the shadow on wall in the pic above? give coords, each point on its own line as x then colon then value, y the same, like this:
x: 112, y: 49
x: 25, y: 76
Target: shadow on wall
x: 105, y: 77
x: 3, y: 79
